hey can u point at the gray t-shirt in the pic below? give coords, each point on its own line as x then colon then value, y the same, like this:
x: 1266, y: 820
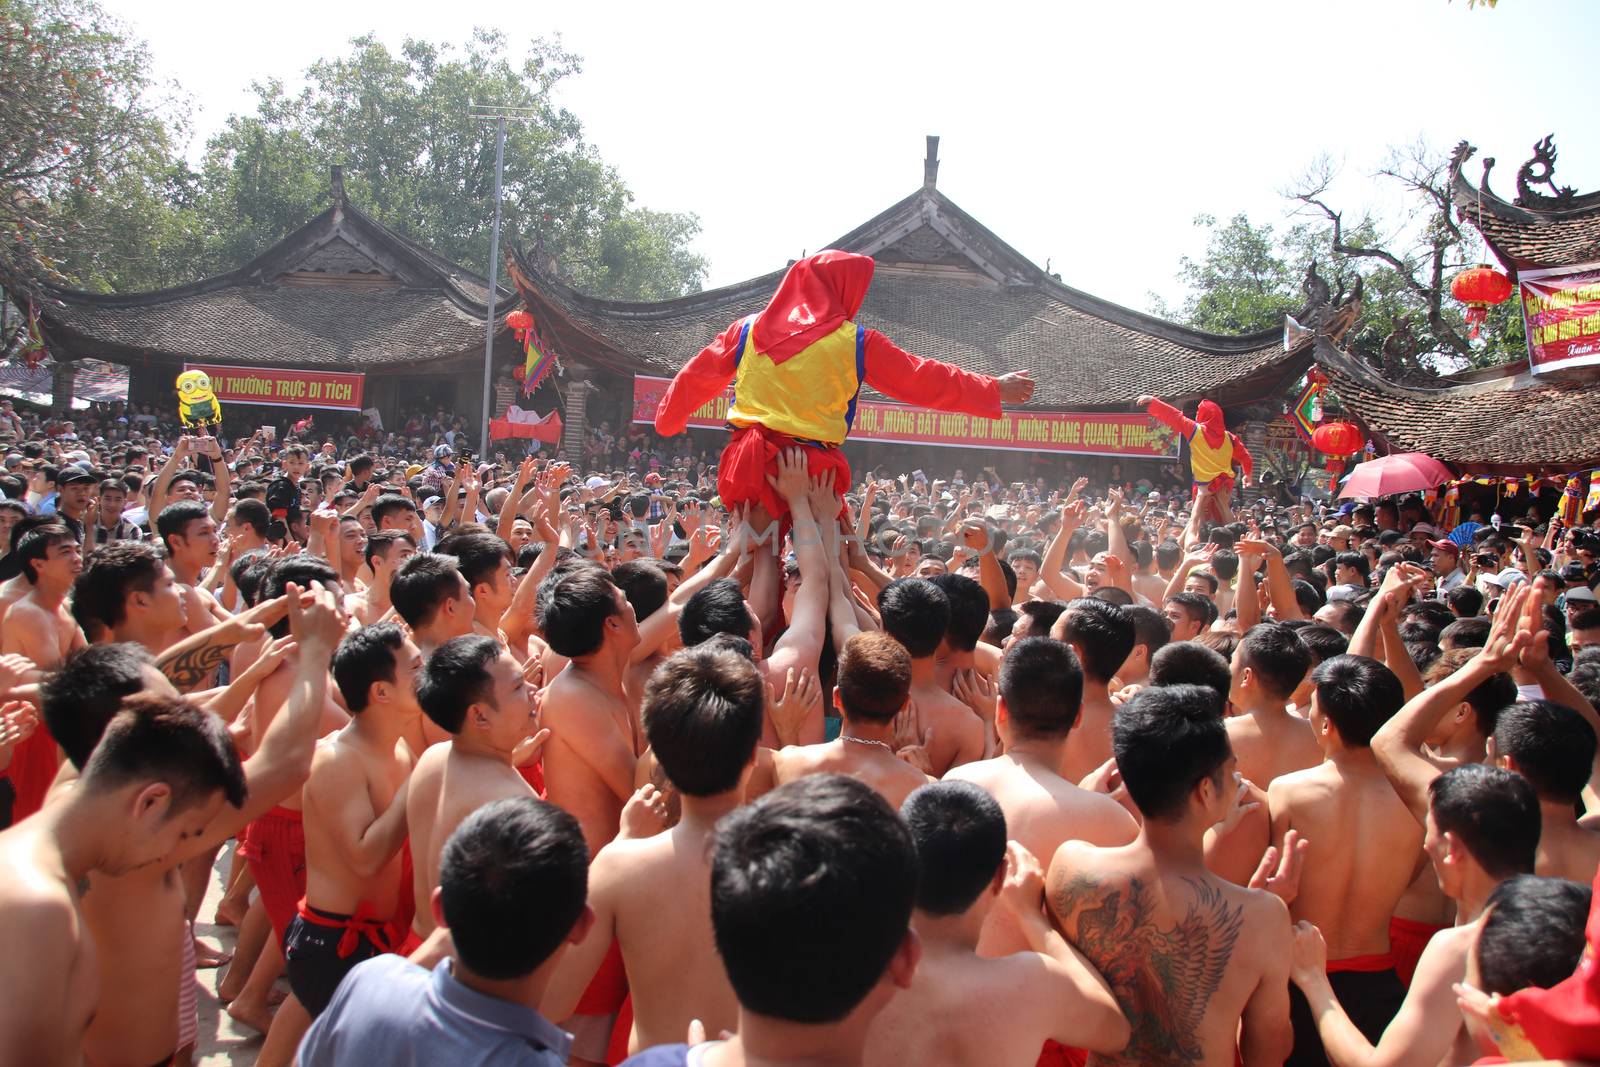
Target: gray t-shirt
x: 390, y: 1011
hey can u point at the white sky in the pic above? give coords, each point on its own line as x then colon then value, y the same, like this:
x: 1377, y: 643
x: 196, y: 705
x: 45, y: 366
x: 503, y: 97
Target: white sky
x: 1085, y: 132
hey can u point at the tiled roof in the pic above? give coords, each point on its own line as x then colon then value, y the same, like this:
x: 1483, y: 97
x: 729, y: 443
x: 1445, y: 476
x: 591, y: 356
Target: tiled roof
x: 1535, y: 231
x: 342, y: 291
x: 948, y: 289
x: 1513, y: 421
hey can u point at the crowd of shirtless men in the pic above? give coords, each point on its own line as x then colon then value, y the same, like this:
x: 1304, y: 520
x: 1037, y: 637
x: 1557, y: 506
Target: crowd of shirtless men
x: 571, y: 775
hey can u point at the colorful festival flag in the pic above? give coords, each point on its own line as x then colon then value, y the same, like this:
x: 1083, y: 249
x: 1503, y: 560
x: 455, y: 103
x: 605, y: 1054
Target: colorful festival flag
x: 537, y: 364
x: 1569, y: 513
x: 1592, y: 501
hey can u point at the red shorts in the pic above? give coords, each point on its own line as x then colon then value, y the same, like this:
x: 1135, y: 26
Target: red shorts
x: 1407, y: 939
x: 275, y: 847
x: 752, y: 455
x: 533, y: 774
x: 33, y: 768
x: 1059, y: 1055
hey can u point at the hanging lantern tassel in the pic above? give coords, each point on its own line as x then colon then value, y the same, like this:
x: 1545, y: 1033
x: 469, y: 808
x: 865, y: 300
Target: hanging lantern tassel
x: 1335, y: 466
x: 1480, y: 287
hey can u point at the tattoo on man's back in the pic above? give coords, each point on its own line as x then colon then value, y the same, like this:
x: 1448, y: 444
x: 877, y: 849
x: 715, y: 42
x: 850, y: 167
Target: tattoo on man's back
x: 1163, y: 979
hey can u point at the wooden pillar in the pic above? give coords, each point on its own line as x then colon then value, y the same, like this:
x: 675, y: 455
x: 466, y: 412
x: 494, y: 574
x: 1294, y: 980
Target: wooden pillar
x: 575, y: 417
x: 63, y: 376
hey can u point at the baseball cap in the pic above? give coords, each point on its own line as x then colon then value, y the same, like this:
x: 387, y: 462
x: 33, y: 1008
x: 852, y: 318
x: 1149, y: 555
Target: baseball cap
x: 1582, y: 594
x: 596, y: 482
x: 1445, y: 546
x: 443, y: 451
x: 72, y: 474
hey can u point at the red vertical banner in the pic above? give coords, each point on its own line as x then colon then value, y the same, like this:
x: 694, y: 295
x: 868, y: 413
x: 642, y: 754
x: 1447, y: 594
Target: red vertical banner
x: 1561, y: 316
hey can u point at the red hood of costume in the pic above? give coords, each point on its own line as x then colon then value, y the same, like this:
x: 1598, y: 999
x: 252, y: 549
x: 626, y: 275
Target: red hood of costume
x: 818, y: 294
x: 1209, y: 416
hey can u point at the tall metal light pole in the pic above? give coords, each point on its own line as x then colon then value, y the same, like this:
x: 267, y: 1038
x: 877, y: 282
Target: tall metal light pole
x: 499, y: 116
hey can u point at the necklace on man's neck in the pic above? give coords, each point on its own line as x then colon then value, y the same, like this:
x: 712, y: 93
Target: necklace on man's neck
x: 867, y: 741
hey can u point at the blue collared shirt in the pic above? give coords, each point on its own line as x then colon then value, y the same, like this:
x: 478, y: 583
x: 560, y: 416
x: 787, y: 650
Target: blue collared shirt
x: 390, y: 1011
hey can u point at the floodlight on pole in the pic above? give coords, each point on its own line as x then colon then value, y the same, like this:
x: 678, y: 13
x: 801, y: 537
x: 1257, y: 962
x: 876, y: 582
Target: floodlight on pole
x: 500, y: 116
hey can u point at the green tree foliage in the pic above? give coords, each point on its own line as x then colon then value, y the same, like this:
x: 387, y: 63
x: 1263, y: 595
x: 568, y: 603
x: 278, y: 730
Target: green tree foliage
x: 416, y: 159
x: 1251, y: 275
x: 90, y: 193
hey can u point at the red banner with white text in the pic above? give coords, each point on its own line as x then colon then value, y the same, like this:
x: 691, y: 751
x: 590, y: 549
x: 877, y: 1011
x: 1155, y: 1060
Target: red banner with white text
x: 1561, y: 316
x: 283, y: 388
x: 1076, y: 433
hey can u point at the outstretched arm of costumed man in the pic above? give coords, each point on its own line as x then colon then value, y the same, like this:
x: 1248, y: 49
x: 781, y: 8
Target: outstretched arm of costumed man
x: 928, y: 383
x: 1241, y: 455
x: 698, y: 382
x: 1164, y: 412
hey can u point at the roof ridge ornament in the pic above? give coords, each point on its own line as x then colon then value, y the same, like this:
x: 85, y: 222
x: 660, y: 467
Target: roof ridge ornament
x: 1540, y: 170
x: 930, y: 164
x: 336, y: 189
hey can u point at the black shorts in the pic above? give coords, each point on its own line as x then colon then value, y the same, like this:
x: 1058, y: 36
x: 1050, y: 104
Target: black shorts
x: 1369, y: 998
x: 311, y: 956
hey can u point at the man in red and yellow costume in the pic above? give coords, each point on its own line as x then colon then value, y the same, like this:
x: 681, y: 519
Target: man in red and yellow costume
x: 797, y: 368
x: 1214, y: 450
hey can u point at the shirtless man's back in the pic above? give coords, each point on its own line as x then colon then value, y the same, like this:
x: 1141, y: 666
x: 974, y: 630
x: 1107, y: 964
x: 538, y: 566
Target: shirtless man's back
x: 963, y: 1008
x: 1189, y: 956
x: 474, y: 690
x: 1102, y: 635
x: 703, y: 712
x: 1041, y: 686
x: 917, y: 614
x: 1350, y: 893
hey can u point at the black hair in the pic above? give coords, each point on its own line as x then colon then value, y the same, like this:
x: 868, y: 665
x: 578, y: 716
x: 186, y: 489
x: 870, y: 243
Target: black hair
x: 111, y: 573
x: 1552, y: 745
x: 1167, y: 739
x: 1001, y: 622
x: 1042, y: 685
x: 1150, y: 628
x: 379, y: 542
x: 1493, y: 811
x: 478, y: 555
x: 363, y: 657
x: 302, y: 569
x: 167, y: 739
x: 1225, y: 565
x: 254, y: 514
x: 1042, y: 613
x: 960, y: 836
x: 513, y: 882
x: 1102, y: 634
x: 916, y: 613
x: 81, y: 696
x: 1200, y: 608
x: 1323, y: 641
x: 1277, y: 657
x: 1358, y: 695
x: 703, y: 711
x: 644, y: 583
x: 812, y: 888
x: 1588, y: 619
x: 719, y: 608
x: 572, y: 608
x: 1347, y: 615
x: 456, y: 677
x: 248, y: 571
x: 422, y: 584
x: 1465, y: 600
x: 1191, y: 663
x: 175, y: 519
x: 1168, y: 553
x: 969, y: 610
x: 1466, y: 633
x: 1532, y: 934
x: 1207, y: 577
x: 35, y: 543
x: 1113, y: 595
x: 390, y: 504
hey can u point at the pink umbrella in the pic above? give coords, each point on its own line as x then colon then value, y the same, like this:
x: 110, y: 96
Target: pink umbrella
x: 1407, y: 472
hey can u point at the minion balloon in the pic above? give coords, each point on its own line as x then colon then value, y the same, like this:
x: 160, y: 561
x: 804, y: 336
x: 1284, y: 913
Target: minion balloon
x: 197, y: 404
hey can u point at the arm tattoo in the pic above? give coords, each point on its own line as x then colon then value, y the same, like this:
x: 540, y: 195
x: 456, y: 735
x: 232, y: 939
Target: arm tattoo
x: 186, y: 670
x: 1163, y: 979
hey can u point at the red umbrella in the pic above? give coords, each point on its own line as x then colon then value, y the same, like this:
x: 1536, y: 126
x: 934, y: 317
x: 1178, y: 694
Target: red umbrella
x: 1408, y: 472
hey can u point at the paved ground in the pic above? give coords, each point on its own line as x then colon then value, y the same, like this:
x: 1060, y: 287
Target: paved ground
x: 222, y: 1042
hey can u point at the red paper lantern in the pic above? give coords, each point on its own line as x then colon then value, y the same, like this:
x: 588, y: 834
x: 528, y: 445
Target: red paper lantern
x: 521, y: 324
x: 1479, y: 287
x: 1337, y: 438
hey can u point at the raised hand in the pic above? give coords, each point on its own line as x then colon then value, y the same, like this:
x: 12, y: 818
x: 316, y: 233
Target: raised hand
x: 1279, y: 870
x: 1023, y: 889
x: 1016, y: 387
x: 793, y: 477
x: 973, y: 688
x: 801, y: 696
x: 645, y: 813
x: 314, y: 620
